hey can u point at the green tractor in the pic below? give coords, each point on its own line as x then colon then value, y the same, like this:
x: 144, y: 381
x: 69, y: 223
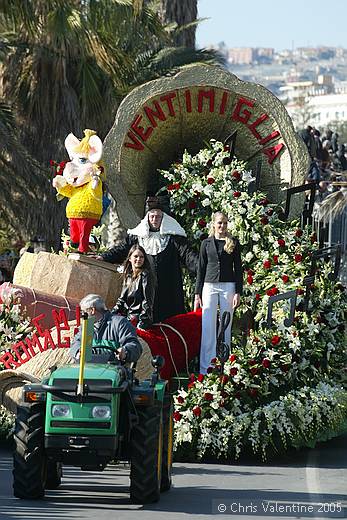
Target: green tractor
x: 89, y: 415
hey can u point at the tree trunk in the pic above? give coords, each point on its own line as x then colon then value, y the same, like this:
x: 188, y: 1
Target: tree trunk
x: 182, y: 12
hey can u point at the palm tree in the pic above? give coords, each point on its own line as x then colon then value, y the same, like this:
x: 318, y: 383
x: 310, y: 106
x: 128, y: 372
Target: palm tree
x: 66, y: 66
x: 184, y: 14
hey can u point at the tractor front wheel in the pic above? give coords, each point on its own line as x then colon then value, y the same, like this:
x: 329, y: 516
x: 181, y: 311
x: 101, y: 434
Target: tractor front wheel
x: 29, y: 462
x: 146, y: 456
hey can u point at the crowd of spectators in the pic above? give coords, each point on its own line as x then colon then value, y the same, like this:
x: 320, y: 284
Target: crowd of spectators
x: 328, y: 159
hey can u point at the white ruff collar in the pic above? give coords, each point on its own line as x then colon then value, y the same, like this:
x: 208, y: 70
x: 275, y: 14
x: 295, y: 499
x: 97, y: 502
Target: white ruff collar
x: 154, y: 242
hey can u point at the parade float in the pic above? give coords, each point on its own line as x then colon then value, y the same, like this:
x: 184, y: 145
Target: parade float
x: 215, y: 143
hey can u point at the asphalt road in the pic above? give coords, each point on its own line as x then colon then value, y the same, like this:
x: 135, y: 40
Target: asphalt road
x: 307, y: 484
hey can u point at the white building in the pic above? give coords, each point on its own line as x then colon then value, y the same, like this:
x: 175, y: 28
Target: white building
x: 328, y: 108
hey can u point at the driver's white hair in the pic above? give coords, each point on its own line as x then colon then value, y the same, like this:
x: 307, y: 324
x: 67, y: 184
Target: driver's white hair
x: 93, y: 301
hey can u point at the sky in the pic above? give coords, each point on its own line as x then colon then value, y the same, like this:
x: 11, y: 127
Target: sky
x: 264, y: 23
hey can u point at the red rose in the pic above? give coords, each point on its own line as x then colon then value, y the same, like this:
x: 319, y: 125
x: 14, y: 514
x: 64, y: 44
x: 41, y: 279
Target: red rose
x: 191, y: 378
x: 250, y: 272
x: 275, y: 339
x: 180, y: 399
x: 224, y: 379
x: 208, y: 396
x: 275, y: 259
x: 264, y: 220
x: 297, y: 258
x: 209, y: 370
x: 177, y: 416
x: 210, y: 180
x: 202, y: 222
x: 270, y: 212
x: 281, y: 242
x: 232, y: 358
x: 256, y: 340
x: 299, y: 291
x: 233, y: 371
x: 313, y: 238
x: 236, y: 175
x: 197, y: 411
x: 285, y: 278
x: 266, y: 363
x: 257, y: 297
x: 213, y: 361
x: 253, y: 392
x: 264, y: 202
x: 249, y: 279
x: 175, y: 186
x: 237, y: 194
x: 191, y: 204
x: 200, y: 378
x: 298, y: 232
x: 191, y: 385
x: 226, y: 148
x: 52, y: 163
x: 267, y: 264
x: 252, y: 362
x: 254, y: 371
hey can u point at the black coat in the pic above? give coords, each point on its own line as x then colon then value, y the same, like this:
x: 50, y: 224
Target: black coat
x: 211, y: 268
x: 137, y: 299
x: 169, y: 296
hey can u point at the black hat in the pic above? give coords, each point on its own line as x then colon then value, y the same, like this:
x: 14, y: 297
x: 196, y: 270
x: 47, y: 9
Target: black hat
x: 158, y: 202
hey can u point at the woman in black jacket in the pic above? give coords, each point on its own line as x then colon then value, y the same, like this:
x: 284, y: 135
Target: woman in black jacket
x: 137, y: 296
x: 219, y: 281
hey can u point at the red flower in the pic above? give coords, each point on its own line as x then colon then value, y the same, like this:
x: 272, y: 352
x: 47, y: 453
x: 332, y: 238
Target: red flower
x: 313, y: 238
x: 258, y: 297
x: 177, y: 416
x: 281, y: 242
x: 224, y: 379
x: 210, y: 180
x: 175, y: 186
x: 213, y: 361
x: 254, y: 371
x: 298, y: 232
x: 285, y: 278
x: 197, y: 411
x: 275, y: 259
x: 275, y: 339
x: 209, y: 370
x: 180, y: 399
x: 237, y: 194
x: 264, y: 202
x: 203, y: 236
x: 285, y: 368
x: 266, y: 363
x: 256, y: 340
x: 52, y: 163
x: 232, y: 358
x: 250, y: 279
x: 298, y: 258
x: 270, y: 212
x: 299, y: 291
x: 191, y: 385
x: 191, y: 378
x: 226, y: 148
x: 264, y: 220
x: 253, y: 392
x: 250, y: 272
x: 267, y: 264
x: 191, y: 204
x: 233, y: 371
x: 236, y: 175
x: 202, y: 222
x: 208, y: 396
x: 252, y: 362
x: 200, y: 378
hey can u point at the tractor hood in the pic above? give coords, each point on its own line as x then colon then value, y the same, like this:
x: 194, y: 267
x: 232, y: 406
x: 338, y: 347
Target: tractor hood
x: 92, y: 371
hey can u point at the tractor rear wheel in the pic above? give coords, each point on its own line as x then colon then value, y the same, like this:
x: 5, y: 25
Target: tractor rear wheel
x: 166, y: 466
x: 146, y: 456
x: 29, y: 462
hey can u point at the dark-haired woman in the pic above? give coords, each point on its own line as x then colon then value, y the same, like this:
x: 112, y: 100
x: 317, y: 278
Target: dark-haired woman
x: 219, y: 282
x: 137, y: 296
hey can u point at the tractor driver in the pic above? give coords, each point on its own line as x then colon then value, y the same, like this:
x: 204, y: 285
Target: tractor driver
x: 110, y: 330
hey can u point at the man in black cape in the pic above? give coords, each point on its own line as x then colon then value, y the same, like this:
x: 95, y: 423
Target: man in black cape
x: 166, y: 246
